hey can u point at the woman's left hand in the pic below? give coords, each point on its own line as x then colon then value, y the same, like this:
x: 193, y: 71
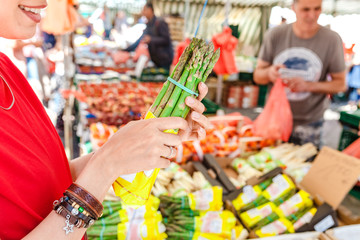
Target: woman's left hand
x: 198, y: 123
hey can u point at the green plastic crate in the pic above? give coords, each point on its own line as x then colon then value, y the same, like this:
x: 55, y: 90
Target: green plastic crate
x: 246, y: 76
x: 210, y: 106
x: 262, y: 95
x: 351, y: 119
x: 348, y: 136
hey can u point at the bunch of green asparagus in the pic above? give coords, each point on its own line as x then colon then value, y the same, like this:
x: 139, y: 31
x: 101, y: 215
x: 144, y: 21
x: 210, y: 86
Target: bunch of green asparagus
x: 179, y: 219
x: 106, y: 226
x: 195, y: 65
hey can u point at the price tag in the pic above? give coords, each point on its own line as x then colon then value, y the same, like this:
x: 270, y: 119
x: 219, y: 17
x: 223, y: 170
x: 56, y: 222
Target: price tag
x: 324, y: 224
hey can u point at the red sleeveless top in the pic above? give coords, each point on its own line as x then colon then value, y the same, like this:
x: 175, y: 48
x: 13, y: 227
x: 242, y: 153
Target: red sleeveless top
x: 34, y: 170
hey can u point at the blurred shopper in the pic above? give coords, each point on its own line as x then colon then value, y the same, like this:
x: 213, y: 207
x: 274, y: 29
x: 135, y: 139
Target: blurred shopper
x: 106, y: 17
x: 303, y: 54
x: 157, y: 37
x: 82, y: 24
x: 120, y: 22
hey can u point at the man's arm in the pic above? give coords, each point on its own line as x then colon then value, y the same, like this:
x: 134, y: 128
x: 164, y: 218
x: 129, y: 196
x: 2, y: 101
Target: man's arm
x: 336, y: 85
x: 133, y: 46
x: 266, y: 73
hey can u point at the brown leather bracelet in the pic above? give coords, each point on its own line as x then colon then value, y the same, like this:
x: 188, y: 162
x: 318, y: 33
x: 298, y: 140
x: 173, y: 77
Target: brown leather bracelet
x: 87, y: 197
x: 74, y: 197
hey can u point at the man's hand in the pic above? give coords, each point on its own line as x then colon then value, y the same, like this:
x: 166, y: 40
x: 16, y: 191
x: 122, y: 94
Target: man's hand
x: 273, y: 72
x: 266, y: 73
x: 297, y: 84
x: 146, y: 39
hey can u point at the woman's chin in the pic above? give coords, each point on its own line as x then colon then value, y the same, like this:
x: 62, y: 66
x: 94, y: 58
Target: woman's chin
x: 25, y: 33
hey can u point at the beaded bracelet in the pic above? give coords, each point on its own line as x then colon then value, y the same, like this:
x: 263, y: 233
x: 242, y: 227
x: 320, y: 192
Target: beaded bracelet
x: 87, y: 220
x: 78, y: 207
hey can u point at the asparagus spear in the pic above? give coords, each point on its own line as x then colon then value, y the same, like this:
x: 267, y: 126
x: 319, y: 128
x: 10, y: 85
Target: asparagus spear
x: 189, y: 73
x: 167, y: 89
x: 192, y: 85
x: 267, y: 220
x: 178, y: 69
x: 209, y: 69
x: 112, y: 219
x: 110, y: 207
x: 108, y: 231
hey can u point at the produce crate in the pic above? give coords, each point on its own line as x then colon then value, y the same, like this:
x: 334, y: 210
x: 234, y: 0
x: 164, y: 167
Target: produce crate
x: 210, y: 106
x: 348, y: 136
x: 350, y: 118
x: 246, y: 76
x: 238, y: 94
x: 154, y: 75
x: 262, y: 95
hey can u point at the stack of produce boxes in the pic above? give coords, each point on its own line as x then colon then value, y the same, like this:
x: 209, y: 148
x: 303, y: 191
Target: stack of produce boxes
x: 274, y: 207
x: 124, y: 222
x: 200, y: 215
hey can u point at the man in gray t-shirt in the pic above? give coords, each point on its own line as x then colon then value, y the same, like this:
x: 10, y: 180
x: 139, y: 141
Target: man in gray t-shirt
x: 303, y: 54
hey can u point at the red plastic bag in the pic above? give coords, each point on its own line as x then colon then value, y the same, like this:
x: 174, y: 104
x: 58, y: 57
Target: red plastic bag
x: 353, y: 149
x: 276, y: 121
x: 227, y: 44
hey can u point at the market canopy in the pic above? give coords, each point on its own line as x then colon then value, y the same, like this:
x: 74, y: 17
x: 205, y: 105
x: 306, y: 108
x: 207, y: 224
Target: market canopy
x: 336, y: 7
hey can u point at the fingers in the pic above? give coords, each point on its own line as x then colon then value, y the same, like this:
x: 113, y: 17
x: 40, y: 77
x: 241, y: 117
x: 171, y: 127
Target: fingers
x: 170, y: 139
x: 273, y: 73
x: 168, y: 152
x: 195, y: 104
x: 197, y: 135
x: 160, y: 163
x: 169, y: 123
x: 201, y: 120
x: 203, y: 90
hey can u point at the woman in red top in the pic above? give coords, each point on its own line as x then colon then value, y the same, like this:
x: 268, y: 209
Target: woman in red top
x: 34, y: 170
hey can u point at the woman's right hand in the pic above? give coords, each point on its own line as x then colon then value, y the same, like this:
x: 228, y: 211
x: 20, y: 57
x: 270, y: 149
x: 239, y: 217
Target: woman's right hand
x: 139, y: 146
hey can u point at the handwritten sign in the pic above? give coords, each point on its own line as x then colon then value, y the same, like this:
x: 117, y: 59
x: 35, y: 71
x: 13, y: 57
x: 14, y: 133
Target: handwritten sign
x: 331, y: 176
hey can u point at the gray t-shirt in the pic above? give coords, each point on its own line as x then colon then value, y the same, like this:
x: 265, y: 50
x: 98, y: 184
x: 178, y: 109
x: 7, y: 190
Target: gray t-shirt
x: 312, y: 59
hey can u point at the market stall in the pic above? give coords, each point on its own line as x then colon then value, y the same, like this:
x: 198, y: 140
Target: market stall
x: 234, y: 184
x: 246, y: 179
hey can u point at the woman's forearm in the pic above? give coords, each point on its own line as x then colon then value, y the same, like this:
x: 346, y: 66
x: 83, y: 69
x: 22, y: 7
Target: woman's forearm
x: 93, y: 176
x: 78, y: 164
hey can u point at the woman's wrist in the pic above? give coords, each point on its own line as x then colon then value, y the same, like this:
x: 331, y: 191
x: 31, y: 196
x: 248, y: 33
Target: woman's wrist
x: 96, y: 178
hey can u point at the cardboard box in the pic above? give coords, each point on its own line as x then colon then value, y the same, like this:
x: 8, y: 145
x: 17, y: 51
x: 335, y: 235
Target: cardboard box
x: 351, y: 232
x: 330, y: 178
x: 299, y: 236
x: 213, y: 173
x: 211, y: 163
x: 349, y: 210
x: 209, y: 174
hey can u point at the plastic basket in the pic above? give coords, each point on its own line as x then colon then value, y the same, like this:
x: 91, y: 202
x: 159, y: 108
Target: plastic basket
x: 351, y: 119
x: 210, y: 106
x: 348, y: 136
x: 262, y: 95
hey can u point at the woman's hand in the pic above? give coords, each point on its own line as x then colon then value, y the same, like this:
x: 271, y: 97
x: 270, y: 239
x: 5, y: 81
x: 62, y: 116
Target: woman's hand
x: 140, y: 145
x: 197, y: 122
